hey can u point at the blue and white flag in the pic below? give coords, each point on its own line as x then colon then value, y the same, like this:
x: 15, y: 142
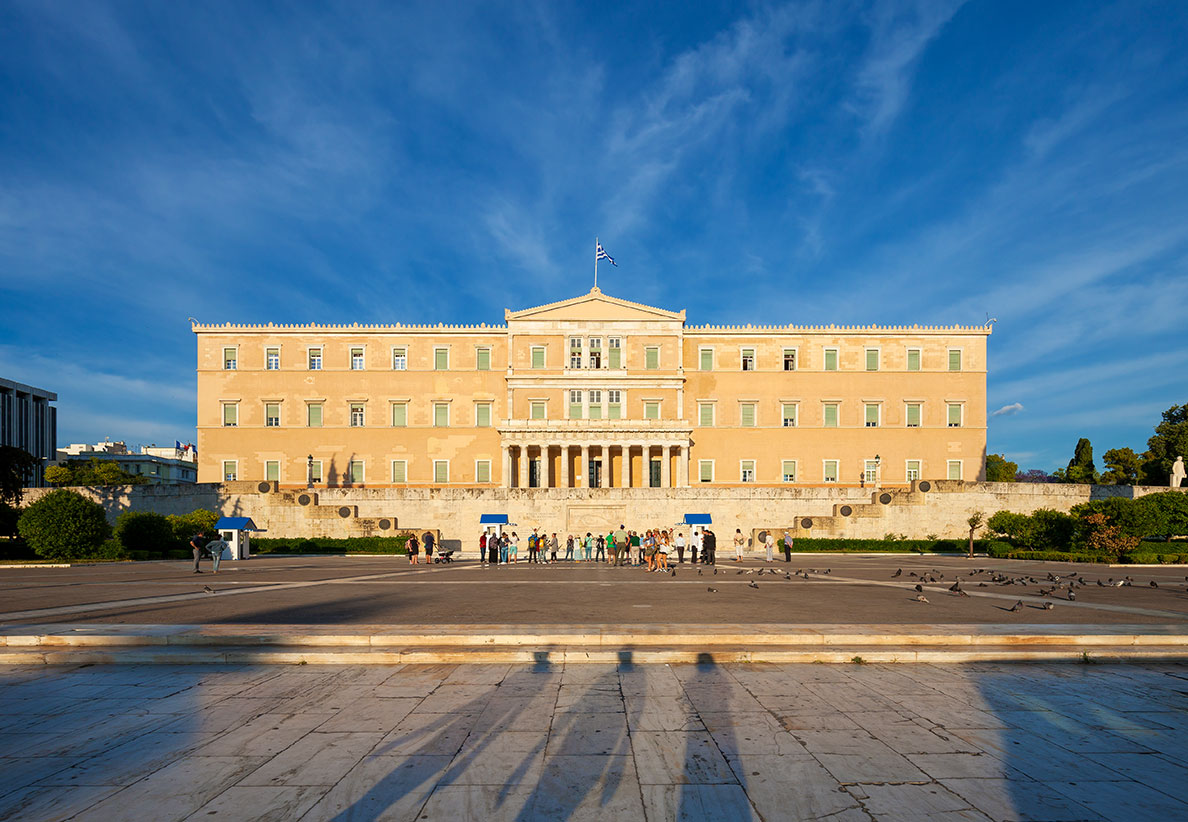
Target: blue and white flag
x: 600, y: 254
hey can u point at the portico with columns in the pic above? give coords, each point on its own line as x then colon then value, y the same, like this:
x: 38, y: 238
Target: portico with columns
x: 623, y: 458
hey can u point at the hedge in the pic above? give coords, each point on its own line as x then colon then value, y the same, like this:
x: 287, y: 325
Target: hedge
x: 326, y: 545
x: 898, y: 546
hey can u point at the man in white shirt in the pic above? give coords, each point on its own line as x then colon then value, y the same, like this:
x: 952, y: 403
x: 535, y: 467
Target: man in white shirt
x: 680, y: 548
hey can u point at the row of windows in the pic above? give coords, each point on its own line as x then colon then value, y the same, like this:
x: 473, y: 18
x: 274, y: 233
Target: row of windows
x: 355, y: 472
x: 599, y: 404
x: 589, y: 353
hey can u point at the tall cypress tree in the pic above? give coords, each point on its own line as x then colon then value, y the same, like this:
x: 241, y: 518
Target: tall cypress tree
x: 1080, y: 467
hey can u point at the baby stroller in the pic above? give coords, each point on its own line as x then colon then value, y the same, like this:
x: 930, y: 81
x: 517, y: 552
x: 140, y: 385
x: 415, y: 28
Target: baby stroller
x: 443, y: 556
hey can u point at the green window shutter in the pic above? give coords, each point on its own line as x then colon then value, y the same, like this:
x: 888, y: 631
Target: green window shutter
x: 400, y: 471
x: 707, y: 359
x: 788, y: 470
x: 441, y: 415
x: 575, y: 410
x: 615, y: 358
x: 789, y: 415
x: 538, y: 358
x: 482, y: 472
x: 748, y: 416
x: 272, y: 471
x: 651, y: 410
x: 831, y: 416
x: 356, y: 470
x: 872, y: 360
x: 913, y: 360
x: 441, y: 359
x: 230, y: 414
x: 315, y: 416
x: 706, y: 415
x: 595, y: 412
x: 441, y: 471
x: 830, y: 471
x: 706, y: 468
x: 614, y: 411
x: 954, y: 360
x: 484, y: 416
x: 954, y: 469
x: 872, y: 415
x: 913, y: 416
x: 652, y: 358
x: 483, y: 360
x: 538, y: 411
x: 954, y: 416
x: 399, y: 415
x: 831, y: 360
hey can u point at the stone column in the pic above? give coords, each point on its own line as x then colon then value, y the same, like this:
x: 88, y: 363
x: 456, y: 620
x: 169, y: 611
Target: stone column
x: 665, y: 468
x: 683, y: 466
x: 564, y: 465
x: 523, y: 466
x: 583, y: 477
x: 546, y: 467
x: 507, y: 466
x: 625, y: 466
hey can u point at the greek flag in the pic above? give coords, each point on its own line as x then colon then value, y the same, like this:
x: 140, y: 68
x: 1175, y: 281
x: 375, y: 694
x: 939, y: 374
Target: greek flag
x: 600, y: 254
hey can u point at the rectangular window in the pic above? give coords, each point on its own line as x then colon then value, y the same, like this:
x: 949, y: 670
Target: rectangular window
x: 230, y: 414
x: 356, y: 415
x: 830, y: 359
x: 356, y: 359
x: 614, y: 400
x: 355, y: 471
x: 399, y: 471
x: 788, y: 470
x: 272, y: 470
x: 872, y: 359
x: 746, y: 415
x: 707, y: 359
x: 747, y: 471
x: 789, y: 359
x: 705, y: 414
x: 482, y: 415
x: 651, y: 410
x: 830, y: 471
x: 230, y: 470
x: 575, y: 352
x: 595, y: 405
x: 913, y: 415
x: 441, y: 471
x: 315, y: 359
x: 913, y: 470
x: 748, y: 359
x: 482, y: 471
x: 954, y: 359
x: 614, y: 354
x: 596, y: 352
x: 272, y: 359
x: 575, y: 405
x: 230, y: 359
x: 272, y: 415
x: 399, y: 414
x: 482, y: 359
x: 705, y: 470
x: 537, y: 410
x: 954, y: 415
x: 788, y: 414
x: 315, y: 471
x: 441, y: 414
x: 313, y: 415
x: 913, y: 359
x: 831, y: 415
x: 651, y: 358
x: 441, y: 359
x: 399, y: 359
x: 872, y: 415
x: 538, y: 356
x: 870, y: 471
x: 954, y: 469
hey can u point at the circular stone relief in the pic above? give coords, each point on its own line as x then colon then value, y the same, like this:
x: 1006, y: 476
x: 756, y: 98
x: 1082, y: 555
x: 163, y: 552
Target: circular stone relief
x: 846, y: 510
x: 885, y: 499
x: 806, y: 523
x: 344, y: 512
x: 385, y: 524
x: 264, y: 487
x: 762, y: 537
x: 926, y: 486
x: 304, y: 499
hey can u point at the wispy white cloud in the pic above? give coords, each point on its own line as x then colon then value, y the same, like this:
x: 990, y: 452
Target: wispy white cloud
x: 1008, y: 410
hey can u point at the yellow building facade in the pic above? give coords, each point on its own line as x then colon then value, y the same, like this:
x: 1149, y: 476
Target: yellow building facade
x: 591, y: 392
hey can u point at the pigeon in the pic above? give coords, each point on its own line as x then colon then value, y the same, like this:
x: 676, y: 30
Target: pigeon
x: 1154, y: 584
x: 1048, y: 606
x: 699, y: 572
x: 1100, y: 584
x: 787, y: 576
x: 1072, y: 597
x: 673, y: 572
x: 981, y: 585
x: 712, y: 589
x: 919, y: 587
x: 897, y: 573
x: 829, y: 570
x: 208, y: 589
x: 715, y: 572
x: 921, y: 598
x: 1017, y: 606
x: 956, y: 586
x: 739, y: 571
x: 752, y: 584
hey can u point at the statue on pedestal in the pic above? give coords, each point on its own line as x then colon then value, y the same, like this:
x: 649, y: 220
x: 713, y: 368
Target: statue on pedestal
x: 1177, y: 473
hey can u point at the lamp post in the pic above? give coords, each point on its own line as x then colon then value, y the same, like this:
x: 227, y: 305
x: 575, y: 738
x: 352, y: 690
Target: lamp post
x: 878, y: 472
x: 309, y: 471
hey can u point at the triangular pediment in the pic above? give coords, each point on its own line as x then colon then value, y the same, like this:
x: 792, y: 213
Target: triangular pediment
x: 595, y: 306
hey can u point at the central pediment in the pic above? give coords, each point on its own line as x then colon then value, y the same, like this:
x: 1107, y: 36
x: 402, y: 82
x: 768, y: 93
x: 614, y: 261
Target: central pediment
x: 595, y: 307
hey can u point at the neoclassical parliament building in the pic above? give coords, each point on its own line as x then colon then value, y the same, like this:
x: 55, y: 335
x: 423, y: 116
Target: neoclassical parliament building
x: 590, y: 392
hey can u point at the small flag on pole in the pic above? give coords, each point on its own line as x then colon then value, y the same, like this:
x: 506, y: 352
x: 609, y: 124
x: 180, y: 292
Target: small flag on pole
x: 600, y: 254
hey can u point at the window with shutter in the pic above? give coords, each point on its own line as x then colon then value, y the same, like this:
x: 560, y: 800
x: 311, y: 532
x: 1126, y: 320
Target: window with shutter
x: 831, y: 416
x: 399, y: 471
x: 706, y: 470
x: 789, y: 359
x: 482, y: 471
x: 954, y: 359
x: 399, y: 359
x: 356, y: 471
x: 230, y: 415
x: 913, y: 470
x: 441, y: 414
x: 483, y: 359
x: 872, y: 359
x: 483, y: 415
x: 272, y: 415
x: 872, y: 415
x: 272, y: 470
x: 575, y: 405
x: 705, y: 413
x: 747, y: 471
x: 748, y: 359
x: 399, y: 415
x: 538, y: 357
x: 788, y: 470
x: 954, y: 415
x: 651, y: 410
x: 441, y: 471
x: 615, y: 353
x: 707, y: 359
x: 830, y: 471
x: 356, y: 359
x: 913, y: 359
x: 830, y: 359
x: 230, y: 359
x: 747, y: 416
x: 789, y: 415
x: 272, y: 359
x: 954, y: 469
x: 913, y: 415
x: 652, y: 358
x: 313, y: 415
x: 538, y: 410
x: 441, y: 359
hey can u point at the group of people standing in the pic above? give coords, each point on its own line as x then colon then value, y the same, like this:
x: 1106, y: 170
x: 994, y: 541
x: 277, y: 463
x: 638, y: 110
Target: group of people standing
x: 651, y: 549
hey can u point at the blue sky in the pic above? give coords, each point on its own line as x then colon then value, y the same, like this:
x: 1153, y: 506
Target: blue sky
x: 831, y: 162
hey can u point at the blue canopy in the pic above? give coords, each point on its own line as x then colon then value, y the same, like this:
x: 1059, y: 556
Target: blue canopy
x: 493, y: 519
x: 697, y: 519
x: 236, y: 524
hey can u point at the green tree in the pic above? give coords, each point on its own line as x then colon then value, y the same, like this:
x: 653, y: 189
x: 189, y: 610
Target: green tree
x: 1080, y: 467
x: 1123, y: 465
x: 185, y: 526
x: 1169, y: 441
x: 58, y: 475
x: 64, y: 525
x: 999, y: 470
x: 16, y: 471
x: 144, y: 531
x: 93, y: 472
x: 975, y: 521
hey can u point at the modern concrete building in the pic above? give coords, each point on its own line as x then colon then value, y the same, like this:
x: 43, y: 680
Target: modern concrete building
x: 590, y: 392
x: 29, y: 422
x: 159, y: 465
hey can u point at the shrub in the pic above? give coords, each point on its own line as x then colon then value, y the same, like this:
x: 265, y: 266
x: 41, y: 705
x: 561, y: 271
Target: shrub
x: 1052, y: 530
x: 185, y: 526
x: 9, y: 514
x: 144, y: 531
x: 1130, y: 517
x: 326, y: 545
x: 64, y: 525
x: 1102, y: 536
x: 1168, y: 512
x: 111, y: 549
x: 1057, y: 556
x: 1015, y: 527
x: 905, y: 546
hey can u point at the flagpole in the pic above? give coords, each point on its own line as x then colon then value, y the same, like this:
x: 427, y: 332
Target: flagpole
x: 596, y: 262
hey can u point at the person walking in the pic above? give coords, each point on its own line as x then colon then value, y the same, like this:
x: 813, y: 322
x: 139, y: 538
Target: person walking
x: 769, y: 544
x: 198, y: 543
x: 710, y: 540
x: 679, y: 544
x: 215, y: 548
x: 414, y: 549
x: 427, y: 540
x: 553, y: 546
x: 492, y: 551
x: 739, y: 540
x: 787, y: 545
